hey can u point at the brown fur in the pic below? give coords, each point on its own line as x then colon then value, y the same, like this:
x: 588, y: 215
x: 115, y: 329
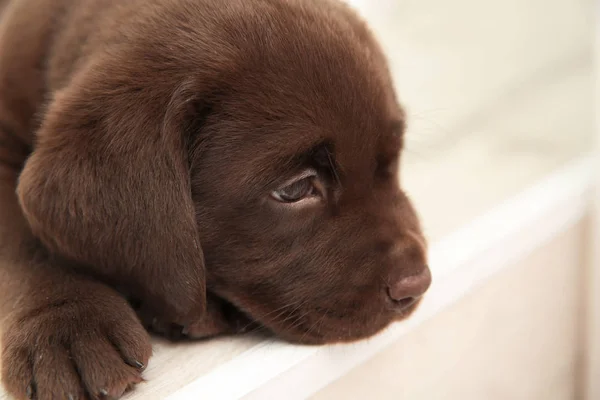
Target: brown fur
x: 143, y: 138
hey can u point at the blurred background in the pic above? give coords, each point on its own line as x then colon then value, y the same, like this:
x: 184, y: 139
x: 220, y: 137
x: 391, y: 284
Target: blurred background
x: 500, y: 104
x: 498, y: 94
x: 501, y: 161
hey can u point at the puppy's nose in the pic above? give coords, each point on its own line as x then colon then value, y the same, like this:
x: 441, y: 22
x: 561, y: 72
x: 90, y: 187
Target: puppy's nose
x: 406, y: 291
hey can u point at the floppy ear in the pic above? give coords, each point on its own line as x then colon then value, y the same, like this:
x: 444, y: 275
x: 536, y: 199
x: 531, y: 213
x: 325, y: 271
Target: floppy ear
x: 108, y: 186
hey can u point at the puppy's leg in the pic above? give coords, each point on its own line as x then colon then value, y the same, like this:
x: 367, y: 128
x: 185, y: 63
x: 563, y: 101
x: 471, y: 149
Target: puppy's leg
x: 108, y: 185
x: 64, y: 336
x: 221, y: 318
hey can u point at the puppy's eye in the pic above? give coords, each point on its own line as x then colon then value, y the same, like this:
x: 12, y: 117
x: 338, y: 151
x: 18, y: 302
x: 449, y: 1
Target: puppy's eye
x: 295, y: 191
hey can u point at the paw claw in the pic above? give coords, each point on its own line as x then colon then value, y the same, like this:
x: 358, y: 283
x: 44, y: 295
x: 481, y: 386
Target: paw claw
x: 136, y: 364
x: 29, y: 392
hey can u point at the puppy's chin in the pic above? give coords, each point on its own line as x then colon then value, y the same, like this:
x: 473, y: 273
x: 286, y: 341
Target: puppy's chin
x: 322, y: 329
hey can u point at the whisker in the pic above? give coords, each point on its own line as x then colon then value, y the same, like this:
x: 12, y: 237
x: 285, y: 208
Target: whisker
x: 288, y: 309
x: 298, y: 321
x: 280, y: 310
x: 284, y: 307
x: 315, y: 324
x: 332, y: 166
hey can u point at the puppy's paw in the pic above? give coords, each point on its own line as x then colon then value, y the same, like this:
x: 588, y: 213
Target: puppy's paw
x: 220, y: 318
x: 75, y: 349
x: 231, y: 322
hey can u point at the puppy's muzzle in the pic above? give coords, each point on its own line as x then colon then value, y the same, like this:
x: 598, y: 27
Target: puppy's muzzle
x: 409, y: 276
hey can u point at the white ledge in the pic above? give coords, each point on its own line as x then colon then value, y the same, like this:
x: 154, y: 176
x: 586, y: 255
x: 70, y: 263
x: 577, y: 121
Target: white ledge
x: 460, y: 262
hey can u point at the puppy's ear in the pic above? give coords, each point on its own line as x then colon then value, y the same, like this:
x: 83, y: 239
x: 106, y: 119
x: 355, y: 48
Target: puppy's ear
x: 108, y: 186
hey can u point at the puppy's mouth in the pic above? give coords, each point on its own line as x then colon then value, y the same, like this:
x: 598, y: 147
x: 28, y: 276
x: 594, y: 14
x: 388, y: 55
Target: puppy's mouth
x: 309, y: 326
x: 333, y: 332
x: 321, y: 325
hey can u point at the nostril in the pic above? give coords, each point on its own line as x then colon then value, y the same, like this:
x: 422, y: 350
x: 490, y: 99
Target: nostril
x: 403, y: 303
x: 406, y: 291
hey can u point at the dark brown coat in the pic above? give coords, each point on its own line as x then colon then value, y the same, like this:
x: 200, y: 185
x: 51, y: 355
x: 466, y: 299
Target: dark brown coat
x: 215, y: 161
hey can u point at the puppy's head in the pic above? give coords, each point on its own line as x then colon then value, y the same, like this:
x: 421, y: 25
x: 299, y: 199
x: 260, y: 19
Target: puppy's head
x: 250, y: 149
x: 295, y: 182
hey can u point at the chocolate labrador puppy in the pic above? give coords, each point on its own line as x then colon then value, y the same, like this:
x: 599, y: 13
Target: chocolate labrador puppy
x: 209, y: 160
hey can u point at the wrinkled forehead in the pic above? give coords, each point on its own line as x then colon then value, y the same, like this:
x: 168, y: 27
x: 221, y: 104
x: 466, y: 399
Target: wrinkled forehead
x: 303, y: 89
x: 261, y: 146
x: 275, y: 136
